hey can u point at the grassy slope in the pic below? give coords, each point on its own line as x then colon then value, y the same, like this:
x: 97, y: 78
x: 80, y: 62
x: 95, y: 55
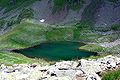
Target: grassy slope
x: 93, y: 48
x: 102, y: 39
x: 111, y: 75
x: 23, y: 35
x: 29, y: 34
x: 10, y: 58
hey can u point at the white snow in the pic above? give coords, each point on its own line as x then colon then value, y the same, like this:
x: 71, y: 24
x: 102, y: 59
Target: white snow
x: 42, y: 20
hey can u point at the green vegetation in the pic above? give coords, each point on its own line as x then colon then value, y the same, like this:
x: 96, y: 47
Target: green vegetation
x: 19, y: 3
x: 109, y: 38
x: 114, y: 1
x: 25, y: 14
x: 98, y: 56
x: 10, y: 58
x: 116, y: 27
x: 100, y: 49
x: 27, y: 34
x: 93, y: 48
x: 60, y: 34
x: 73, y: 4
x: 115, y: 49
x: 112, y: 75
x: 90, y: 10
x: 83, y: 32
x: 23, y: 35
x: 86, y: 35
x: 2, y: 22
x: 59, y: 3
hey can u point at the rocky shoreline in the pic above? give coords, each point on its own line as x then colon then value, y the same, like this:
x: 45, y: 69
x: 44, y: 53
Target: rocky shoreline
x: 84, y: 69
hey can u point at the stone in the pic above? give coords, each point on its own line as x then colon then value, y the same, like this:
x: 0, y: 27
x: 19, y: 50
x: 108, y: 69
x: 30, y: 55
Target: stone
x: 66, y: 70
x: 79, y: 75
x: 117, y: 60
x: 35, y: 75
x: 93, y: 77
x: 60, y: 78
x: 90, y: 66
x: 3, y: 66
x: 64, y: 65
x: 62, y: 73
x: 42, y: 69
x: 74, y: 65
x: 22, y: 76
x: 52, y: 71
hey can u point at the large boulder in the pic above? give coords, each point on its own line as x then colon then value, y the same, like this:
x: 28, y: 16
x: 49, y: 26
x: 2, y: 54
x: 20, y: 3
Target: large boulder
x: 93, y: 77
x: 90, y: 66
x: 66, y: 65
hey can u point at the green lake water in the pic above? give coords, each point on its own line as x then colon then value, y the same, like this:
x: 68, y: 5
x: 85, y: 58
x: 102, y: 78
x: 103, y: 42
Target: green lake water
x: 56, y: 51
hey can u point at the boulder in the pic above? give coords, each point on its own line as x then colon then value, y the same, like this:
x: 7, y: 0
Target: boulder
x: 79, y: 75
x: 64, y: 65
x: 90, y: 66
x: 2, y: 66
x: 117, y: 60
x: 93, y: 77
x: 75, y: 64
x: 59, y: 78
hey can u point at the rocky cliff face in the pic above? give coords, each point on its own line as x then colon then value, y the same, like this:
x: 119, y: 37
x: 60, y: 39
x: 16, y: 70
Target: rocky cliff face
x: 107, y: 14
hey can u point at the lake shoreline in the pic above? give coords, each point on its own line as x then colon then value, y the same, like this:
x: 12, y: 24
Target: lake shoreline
x: 63, y: 50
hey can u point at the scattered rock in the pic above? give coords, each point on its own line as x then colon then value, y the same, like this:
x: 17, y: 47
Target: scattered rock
x: 66, y: 70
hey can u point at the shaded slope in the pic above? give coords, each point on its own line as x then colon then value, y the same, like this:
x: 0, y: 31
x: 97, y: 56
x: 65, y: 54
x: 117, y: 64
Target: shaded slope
x: 107, y: 15
x: 44, y: 9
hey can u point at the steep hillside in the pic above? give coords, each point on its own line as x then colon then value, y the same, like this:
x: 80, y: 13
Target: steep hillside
x: 30, y: 25
x: 20, y: 25
x: 108, y: 14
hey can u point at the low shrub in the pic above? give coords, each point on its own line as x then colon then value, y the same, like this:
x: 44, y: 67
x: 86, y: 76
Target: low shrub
x: 116, y: 27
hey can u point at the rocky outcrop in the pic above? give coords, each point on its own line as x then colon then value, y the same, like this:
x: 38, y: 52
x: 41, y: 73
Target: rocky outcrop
x: 44, y: 9
x: 66, y: 70
x: 107, y: 15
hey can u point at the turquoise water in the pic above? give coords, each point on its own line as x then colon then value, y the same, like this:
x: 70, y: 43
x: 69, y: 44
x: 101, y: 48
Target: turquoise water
x: 56, y: 51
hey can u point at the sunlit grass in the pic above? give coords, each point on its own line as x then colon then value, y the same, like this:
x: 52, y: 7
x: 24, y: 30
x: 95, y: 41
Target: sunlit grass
x: 23, y: 35
x: 10, y: 58
x: 93, y: 48
x: 111, y: 75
